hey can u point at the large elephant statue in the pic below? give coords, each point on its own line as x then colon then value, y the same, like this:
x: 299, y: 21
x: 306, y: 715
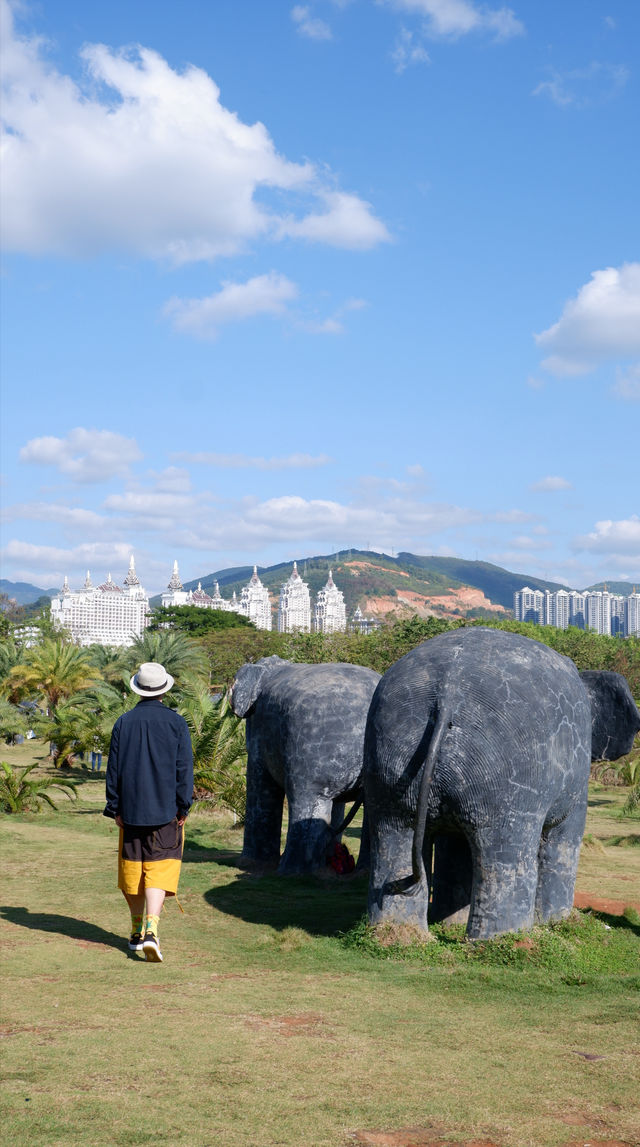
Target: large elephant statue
x: 305, y: 738
x: 477, y: 760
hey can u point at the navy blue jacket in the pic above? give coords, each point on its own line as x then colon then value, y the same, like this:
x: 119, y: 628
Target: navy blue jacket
x: 150, y: 766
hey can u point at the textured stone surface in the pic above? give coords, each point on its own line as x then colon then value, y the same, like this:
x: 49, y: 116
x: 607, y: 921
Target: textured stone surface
x: 305, y: 737
x: 503, y: 725
x: 615, y: 719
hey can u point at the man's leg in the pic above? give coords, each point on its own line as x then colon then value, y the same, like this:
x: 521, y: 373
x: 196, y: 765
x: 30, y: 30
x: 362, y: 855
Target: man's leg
x: 136, y: 907
x: 154, y: 899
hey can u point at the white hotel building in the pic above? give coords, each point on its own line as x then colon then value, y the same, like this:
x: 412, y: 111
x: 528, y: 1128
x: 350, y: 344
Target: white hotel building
x: 294, y: 608
x: 599, y: 610
x: 106, y: 614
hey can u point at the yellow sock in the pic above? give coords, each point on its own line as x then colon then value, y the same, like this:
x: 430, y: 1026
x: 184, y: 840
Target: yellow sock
x: 152, y: 925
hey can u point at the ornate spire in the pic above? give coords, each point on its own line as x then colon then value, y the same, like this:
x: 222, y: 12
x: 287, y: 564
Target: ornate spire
x: 65, y: 587
x: 132, y: 577
x: 254, y: 576
x: 295, y: 573
x: 330, y: 580
x: 175, y: 582
x: 88, y: 584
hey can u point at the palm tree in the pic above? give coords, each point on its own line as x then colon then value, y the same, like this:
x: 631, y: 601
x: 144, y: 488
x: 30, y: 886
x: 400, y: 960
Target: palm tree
x: 51, y: 671
x: 10, y: 655
x: 20, y: 795
x: 113, y: 664
x: 182, y: 657
x: 219, y: 749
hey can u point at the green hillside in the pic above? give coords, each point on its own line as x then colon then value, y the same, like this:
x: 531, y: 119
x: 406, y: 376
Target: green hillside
x: 498, y: 584
x: 622, y: 587
x: 362, y: 575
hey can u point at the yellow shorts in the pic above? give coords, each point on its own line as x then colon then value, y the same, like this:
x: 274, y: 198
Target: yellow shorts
x: 150, y: 856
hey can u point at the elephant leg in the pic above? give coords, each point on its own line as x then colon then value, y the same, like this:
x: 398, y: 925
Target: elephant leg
x: 558, y: 864
x: 337, y: 817
x: 263, y: 820
x: 451, y: 879
x: 394, y: 897
x: 308, y: 835
x: 364, y: 855
x: 505, y: 878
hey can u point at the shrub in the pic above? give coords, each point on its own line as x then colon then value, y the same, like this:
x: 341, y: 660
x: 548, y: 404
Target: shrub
x: 17, y: 794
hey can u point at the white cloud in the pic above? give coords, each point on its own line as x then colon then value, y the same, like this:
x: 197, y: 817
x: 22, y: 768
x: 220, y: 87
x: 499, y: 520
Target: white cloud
x: 552, y: 482
x: 333, y: 324
x: 172, y: 480
x: 71, y: 518
x: 525, y: 542
x: 583, y: 87
x: 309, y: 25
x: 602, y: 323
x: 246, y: 462
x: 613, y: 538
x: 454, y: 18
x: 165, y: 508
x: 408, y: 49
x: 262, y: 295
x: 139, y: 157
x: 627, y: 384
x: 56, y: 560
x: 84, y: 455
x: 347, y: 222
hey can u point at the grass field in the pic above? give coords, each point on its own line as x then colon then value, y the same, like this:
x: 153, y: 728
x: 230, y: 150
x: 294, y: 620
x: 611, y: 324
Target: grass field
x: 263, y: 1027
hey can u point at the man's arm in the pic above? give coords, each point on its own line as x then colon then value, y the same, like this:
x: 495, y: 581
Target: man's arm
x: 184, y: 773
x: 112, y: 806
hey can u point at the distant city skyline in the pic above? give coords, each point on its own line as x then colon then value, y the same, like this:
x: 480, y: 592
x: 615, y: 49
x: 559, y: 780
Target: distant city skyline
x: 249, y: 313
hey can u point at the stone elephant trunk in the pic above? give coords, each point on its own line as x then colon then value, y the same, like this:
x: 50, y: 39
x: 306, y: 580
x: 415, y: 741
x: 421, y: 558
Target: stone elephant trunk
x: 305, y: 737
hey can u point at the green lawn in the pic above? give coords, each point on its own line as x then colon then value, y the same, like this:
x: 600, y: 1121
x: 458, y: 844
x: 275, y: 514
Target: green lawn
x: 261, y: 1028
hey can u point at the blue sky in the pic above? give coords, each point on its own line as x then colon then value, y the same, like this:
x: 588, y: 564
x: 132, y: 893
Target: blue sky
x: 284, y: 279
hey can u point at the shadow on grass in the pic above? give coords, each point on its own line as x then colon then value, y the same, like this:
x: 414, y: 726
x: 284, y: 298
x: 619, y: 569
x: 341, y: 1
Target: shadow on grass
x: 320, y: 907
x: 64, y: 926
x: 615, y: 922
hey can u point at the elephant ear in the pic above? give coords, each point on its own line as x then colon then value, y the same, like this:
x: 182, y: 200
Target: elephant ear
x: 247, y: 685
x: 615, y: 719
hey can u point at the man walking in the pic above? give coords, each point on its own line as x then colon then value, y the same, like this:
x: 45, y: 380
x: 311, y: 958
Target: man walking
x: 149, y: 794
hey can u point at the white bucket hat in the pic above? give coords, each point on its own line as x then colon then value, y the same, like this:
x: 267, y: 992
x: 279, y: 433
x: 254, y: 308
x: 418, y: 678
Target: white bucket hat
x: 151, y: 680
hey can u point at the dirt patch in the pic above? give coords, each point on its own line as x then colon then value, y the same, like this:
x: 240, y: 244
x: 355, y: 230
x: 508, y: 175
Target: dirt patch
x: 416, y: 1137
x: 353, y: 568
x: 453, y: 604
x: 306, y: 1023
x: 604, y: 904
x: 389, y: 934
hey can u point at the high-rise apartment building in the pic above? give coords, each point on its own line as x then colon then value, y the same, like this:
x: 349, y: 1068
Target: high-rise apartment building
x: 632, y: 615
x: 604, y: 612
x: 107, y: 614
x: 255, y: 602
x: 529, y: 605
x: 294, y: 610
x: 329, y: 613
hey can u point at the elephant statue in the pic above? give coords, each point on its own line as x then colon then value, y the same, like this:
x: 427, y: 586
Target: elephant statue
x: 614, y: 715
x: 477, y: 760
x: 305, y: 737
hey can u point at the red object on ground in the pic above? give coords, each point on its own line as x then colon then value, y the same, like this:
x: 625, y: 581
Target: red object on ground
x: 341, y: 860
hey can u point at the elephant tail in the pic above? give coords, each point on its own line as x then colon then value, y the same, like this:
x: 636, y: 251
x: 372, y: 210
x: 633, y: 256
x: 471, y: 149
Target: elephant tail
x: 348, y: 818
x: 435, y: 741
